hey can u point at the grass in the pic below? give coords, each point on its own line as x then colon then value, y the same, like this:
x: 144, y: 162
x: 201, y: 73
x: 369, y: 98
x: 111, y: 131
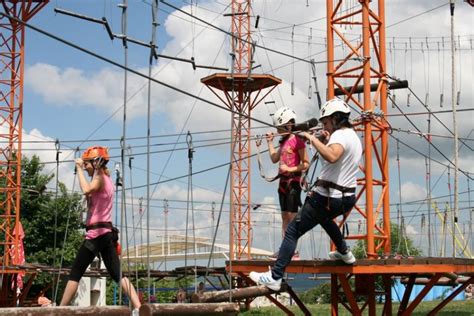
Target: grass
x: 457, y: 308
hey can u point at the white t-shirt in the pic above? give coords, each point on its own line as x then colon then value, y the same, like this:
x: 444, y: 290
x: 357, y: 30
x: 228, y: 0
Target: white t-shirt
x: 342, y: 172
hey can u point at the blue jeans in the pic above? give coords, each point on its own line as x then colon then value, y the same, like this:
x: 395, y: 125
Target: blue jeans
x: 317, y: 209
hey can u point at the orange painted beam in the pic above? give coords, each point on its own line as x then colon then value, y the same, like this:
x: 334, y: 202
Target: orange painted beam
x: 398, y: 267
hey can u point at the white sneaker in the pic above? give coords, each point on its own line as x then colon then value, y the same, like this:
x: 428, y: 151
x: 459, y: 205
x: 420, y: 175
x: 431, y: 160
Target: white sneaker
x: 348, y: 258
x: 135, y: 312
x: 266, y: 278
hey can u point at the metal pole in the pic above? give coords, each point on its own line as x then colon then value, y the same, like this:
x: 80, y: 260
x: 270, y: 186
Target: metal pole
x: 123, y: 6
x: 368, y: 132
x: 455, y: 126
x: 153, y: 35
x: 429, y: 185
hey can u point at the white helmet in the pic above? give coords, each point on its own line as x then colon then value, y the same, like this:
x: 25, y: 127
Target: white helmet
x: 283, y: 116
x: 333, y: 106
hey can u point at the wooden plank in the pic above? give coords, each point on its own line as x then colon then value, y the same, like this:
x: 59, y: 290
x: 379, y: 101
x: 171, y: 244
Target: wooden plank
x: 67, y: 310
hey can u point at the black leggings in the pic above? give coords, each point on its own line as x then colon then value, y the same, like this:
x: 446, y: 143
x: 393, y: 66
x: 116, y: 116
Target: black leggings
x: 90, y: 248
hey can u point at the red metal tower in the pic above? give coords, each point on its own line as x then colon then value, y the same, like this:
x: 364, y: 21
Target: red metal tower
x: 12, y: 54
x: 238, y: 87
x: 363, y: 69
x: 368, y: 67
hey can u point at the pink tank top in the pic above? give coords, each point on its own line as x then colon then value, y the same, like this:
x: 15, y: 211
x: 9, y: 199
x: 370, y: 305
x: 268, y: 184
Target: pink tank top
x: 289, y: 154
x: 100, y: 207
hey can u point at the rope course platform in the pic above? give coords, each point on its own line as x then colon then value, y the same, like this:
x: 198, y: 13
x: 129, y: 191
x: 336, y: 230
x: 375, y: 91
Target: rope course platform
x: 427, y: 271
x: 251, y: 82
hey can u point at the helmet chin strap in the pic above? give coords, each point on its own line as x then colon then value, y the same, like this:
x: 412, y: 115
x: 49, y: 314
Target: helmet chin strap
x: 97, y: 163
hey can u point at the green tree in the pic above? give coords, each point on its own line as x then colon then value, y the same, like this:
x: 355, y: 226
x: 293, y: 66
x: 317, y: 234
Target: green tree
x: 166, y: 294
x: 40, y: 209
x: 320, y: 294
x: 401, y: 245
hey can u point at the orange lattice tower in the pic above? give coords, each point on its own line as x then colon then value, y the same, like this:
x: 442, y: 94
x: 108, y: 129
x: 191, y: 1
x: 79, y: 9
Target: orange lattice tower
x: 242, y: 93
x: 12, y: 52
x: 369, y: 19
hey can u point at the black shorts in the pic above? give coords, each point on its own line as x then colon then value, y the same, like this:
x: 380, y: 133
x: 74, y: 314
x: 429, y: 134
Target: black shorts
x: 105, y: 245
x: 290, y: 198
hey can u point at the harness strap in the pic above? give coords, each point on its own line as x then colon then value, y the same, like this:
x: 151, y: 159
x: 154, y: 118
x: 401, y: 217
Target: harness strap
x: 332, y: 185
x: 285, y: 181
x: 99, y: 225
x: 258, y: 142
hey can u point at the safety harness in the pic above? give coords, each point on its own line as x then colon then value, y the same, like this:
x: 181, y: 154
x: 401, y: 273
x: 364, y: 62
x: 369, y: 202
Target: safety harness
x: 331, y: 185
x: 335, y: 186
x: 115, y: 233
x: 99, y: 225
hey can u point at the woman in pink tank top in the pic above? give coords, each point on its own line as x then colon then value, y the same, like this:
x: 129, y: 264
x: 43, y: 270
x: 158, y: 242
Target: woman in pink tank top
x: 293, y: 160
x: 101, y: 237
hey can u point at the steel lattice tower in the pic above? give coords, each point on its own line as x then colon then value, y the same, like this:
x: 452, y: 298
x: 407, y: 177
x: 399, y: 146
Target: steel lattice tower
x: 238, y: 87
x: 365, y: 63
x: 12, y: 52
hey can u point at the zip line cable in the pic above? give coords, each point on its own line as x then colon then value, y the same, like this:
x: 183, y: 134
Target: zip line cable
x: 450, y: 195
x: 181, y: 132
x: 436, y: 148
x: 430, y: 112
x: 63, y: 248
x: 133, y: 95
x: 416, y: 15
x: 243, y: 40
x: 428, y: 161
x: 408, y: 146
x: 399, y: 206
x: 107, y: 60
x: 437, y: 119
x: 44, y: 141
x: 133, y: 239
x: 65, y: 141
x: 256, y: 136
x: 275, y: 206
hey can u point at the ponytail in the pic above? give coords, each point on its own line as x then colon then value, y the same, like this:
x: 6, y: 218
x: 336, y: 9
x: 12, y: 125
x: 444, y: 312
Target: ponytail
x: 340, y: 120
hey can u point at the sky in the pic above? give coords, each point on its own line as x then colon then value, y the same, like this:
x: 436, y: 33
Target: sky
x: 78, y: 99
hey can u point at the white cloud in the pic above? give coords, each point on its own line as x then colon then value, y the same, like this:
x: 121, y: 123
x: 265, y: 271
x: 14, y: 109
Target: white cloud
x: 36, y: 143
x: 411, y: 230
x: 103, y: 89
x: 412, y: 192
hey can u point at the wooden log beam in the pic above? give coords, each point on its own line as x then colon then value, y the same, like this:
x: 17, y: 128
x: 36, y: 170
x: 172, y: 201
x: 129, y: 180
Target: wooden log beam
x: 236, y: 294
x: 67, y: 310
x: 229, y: 309
x: 392, y: 85
x: 452, y: 276
x: 442, y: 281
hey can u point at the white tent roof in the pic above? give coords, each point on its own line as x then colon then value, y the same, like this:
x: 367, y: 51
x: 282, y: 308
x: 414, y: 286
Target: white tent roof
x: 175, y: 248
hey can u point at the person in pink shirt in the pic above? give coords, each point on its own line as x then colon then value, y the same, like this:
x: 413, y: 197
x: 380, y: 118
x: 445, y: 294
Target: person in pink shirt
x: 293, y: 160
x: 101, y: 237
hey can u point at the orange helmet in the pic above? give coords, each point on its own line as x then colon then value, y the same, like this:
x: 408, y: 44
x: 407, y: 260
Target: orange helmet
x: 96, y: 152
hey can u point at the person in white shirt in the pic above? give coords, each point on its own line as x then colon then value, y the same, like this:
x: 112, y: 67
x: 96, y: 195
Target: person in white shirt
x: 340, y: 151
